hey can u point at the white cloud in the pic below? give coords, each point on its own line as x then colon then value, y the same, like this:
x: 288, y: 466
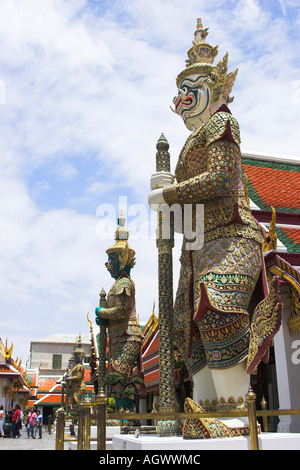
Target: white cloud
x: 249, y: 14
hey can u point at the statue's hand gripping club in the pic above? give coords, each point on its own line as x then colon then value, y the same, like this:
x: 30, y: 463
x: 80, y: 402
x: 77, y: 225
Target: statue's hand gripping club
x: 158, y: 181
x: 100, y: 321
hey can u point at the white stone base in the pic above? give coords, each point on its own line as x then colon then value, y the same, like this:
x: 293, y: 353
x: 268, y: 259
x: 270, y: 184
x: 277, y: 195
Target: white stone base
x: 266, y: 441
x: 93, y: 445
x: 110, y: 432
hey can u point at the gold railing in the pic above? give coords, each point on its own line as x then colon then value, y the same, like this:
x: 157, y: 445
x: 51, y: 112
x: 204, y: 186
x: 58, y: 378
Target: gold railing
x: 85, y: 416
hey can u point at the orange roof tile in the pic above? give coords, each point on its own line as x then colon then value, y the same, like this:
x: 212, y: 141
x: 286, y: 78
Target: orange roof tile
x: 5, y: 369
x: 30, y: 403
x: 277, y: 183
x: 276, y: 187
x: 46, y: 383
x: 294, y: 234
x: 153, y: 345
x: 49, y: 399
x: 87, y: 374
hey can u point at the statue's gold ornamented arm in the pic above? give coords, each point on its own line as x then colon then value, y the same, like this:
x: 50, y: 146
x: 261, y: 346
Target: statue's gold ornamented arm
x: 215, y: 182
x: 119, y: 311
x: 79, y: 375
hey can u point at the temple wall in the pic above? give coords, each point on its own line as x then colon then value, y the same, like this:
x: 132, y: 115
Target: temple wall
x: 287, y: 358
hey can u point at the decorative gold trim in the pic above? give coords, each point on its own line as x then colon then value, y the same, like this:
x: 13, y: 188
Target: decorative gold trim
x: 294, y: 321
x: 223, y: 405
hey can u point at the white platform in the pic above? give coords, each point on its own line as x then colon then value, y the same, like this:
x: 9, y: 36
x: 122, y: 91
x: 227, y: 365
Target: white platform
x: 110, y: 432
x: 266, y: 441
x: 93, y: 445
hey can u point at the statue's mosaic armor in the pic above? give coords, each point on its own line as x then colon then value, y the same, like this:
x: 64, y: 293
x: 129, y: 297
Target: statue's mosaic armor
x: 125, y: 336
x: 217, y: 281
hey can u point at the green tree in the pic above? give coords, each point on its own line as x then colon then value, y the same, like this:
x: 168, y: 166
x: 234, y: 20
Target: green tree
x: 120, y: 388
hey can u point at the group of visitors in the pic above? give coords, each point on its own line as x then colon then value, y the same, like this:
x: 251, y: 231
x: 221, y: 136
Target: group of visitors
x: 14, y: 418
x: 33, y: 422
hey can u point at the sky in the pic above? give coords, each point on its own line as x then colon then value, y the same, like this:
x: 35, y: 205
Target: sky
x: 85, y: 93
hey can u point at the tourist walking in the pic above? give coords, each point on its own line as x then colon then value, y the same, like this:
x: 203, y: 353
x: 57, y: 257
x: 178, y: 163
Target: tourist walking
x: 31, y: 424
x: 16, y: 421
x: 39, y: 424
x: 2, y: 416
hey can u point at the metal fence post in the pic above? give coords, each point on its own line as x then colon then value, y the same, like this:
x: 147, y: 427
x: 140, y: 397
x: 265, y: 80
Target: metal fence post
x: 87, y: 426
x: 60, y: 427
x: 80, y: 426
x: 264, y: 406
x: 250, y: 399
x: 101, y: 419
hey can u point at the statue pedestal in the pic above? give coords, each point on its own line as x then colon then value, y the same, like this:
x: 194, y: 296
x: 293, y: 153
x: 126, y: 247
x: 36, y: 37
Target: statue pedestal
x: 267, y: 441
x: 110, y: 432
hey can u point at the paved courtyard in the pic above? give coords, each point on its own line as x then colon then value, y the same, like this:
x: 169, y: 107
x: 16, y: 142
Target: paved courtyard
x: 22, y: 443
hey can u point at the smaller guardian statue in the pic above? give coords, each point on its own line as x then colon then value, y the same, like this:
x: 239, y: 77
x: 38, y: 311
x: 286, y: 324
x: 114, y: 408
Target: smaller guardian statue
x: 75, y: 383
x: 125, y: 335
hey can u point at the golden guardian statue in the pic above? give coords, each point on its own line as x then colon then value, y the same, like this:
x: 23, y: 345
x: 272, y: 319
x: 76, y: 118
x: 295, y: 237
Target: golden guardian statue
x: 119, y: 312
x: 76, y: 387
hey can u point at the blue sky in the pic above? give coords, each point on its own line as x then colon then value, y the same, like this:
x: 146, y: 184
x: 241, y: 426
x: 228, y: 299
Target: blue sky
x: 85, y: 93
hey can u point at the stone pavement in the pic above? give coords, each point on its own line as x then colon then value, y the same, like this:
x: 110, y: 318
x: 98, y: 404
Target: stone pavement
x: 22, y: 443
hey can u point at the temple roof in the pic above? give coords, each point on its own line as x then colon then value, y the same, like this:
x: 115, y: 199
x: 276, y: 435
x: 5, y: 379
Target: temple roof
x: 46, y: 383
x: 11, y: 369
x: 151, y: 361
x: 53, y: 398
x: 64, y: 338
x: 275, y: 182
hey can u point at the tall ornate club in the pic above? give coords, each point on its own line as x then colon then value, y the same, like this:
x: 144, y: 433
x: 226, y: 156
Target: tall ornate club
x: 102, y: 344
x: 165, y: 244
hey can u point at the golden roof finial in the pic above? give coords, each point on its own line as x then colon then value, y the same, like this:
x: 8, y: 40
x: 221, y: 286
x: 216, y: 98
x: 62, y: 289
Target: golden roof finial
x: 5, y: 351
x: 153, y: 308
x: 91, y: 324
x: 270, y: 239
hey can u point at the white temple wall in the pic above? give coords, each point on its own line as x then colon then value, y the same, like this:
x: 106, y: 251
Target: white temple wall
x: 287, y: 359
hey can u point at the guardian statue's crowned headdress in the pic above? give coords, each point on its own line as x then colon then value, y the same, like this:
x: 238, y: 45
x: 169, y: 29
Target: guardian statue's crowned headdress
x: 125, y: 252
x: 200, y: 60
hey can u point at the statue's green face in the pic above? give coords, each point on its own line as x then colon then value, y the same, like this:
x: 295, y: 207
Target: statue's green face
x: 193, y: 101
x: 77, y: 357
x: 113, y: 265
